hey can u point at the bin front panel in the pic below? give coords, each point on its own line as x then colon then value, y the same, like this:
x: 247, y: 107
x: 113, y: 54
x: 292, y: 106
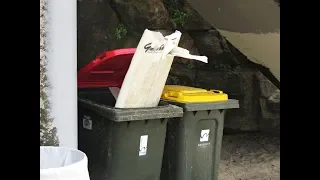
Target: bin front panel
x: 137, y: 150
x: 193, y: 144
x: 114, y: 149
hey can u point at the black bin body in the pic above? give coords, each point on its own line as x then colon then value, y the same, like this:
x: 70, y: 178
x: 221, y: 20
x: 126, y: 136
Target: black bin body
x: 193, y: 142
x: 122, y: 144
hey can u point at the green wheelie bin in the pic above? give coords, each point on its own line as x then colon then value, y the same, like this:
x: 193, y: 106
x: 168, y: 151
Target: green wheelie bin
x: 193, y: 142
x: 121, y: 144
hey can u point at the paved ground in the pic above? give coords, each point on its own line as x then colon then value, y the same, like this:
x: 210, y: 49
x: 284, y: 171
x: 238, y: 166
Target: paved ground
x: 250, y: 157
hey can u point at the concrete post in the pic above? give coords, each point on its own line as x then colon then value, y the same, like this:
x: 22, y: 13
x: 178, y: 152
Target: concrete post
x: 62, y: 69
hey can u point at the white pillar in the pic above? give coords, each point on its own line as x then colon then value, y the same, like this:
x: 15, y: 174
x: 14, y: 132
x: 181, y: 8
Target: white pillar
x: 62, y: 69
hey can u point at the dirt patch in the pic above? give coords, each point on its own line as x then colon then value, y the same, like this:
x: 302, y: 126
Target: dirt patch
x: 251, y: 156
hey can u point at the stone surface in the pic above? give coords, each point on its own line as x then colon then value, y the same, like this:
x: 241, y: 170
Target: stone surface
x: 194, y: 21
x: 275, y: 97
x: 270, y: 106
x: 246, y: 118
x: 274, y: 102
x: 266, y: 87
x: 182, y: 70
x: 245, y: 62
x: 270, y: 120
x: 188, y: 43
x: 226, y: 80
x: 139, y: 15
x: 238, y: 84
x: 165, y: 32
x: 215, y: 47
x: 97, y: 24
x: 180, y: 74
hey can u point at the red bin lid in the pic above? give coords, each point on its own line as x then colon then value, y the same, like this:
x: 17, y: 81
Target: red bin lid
x: 107, y: 70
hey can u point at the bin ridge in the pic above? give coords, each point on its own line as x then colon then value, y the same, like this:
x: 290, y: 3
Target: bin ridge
x: 164, y: 110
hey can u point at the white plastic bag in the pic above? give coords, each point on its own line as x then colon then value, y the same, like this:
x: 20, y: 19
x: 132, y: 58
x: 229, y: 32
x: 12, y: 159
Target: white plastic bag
x: 60, y: 163
x: 149, y: 69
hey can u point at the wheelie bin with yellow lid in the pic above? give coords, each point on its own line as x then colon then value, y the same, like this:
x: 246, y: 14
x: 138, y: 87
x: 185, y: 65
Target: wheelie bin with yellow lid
x: 193, y: 142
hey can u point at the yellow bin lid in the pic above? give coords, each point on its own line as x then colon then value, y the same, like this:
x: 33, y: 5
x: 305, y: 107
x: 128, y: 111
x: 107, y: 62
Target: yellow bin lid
x: 191, y: 94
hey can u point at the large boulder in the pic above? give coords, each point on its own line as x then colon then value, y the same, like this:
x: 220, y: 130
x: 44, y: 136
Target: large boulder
x: 180, y: 74
x: 215, y: 47
x: 188, y: 43
x: 220, y: 79
x: 97, y: 27
x: 270, y: 106
x: 139, y: 15
x: 270, y: 119
x: 194, y: 21
x: 239, y: 83
x: 183, y: 70
x: 267, y: 89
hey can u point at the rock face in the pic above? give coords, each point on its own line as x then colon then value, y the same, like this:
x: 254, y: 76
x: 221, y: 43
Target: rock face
x: 195, y: 22
x: 109, y: 24
x: 215, y: 47
x: 142, y: 14
x: 270, y: 106
x: 99, y: 30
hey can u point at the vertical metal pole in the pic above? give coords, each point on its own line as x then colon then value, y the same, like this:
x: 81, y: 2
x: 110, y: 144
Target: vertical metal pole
x: 62, y: 69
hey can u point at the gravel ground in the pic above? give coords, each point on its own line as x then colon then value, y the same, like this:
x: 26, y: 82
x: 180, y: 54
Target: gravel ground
x: 250, y: 157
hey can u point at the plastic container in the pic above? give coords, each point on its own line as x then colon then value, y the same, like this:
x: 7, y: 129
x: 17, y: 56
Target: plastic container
x: 190, y: 94
x: 120, y: 143
x: 107, y: 70
x: 61, y: 163
x: 193, y: 142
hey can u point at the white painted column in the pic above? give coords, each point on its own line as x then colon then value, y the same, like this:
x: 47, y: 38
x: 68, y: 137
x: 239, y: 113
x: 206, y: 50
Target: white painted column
x: 62, y: 69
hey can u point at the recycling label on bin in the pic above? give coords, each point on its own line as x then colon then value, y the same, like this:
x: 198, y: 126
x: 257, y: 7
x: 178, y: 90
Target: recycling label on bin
x: 87, y: 122
x: 143, y: 145
x: 204, y: 136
